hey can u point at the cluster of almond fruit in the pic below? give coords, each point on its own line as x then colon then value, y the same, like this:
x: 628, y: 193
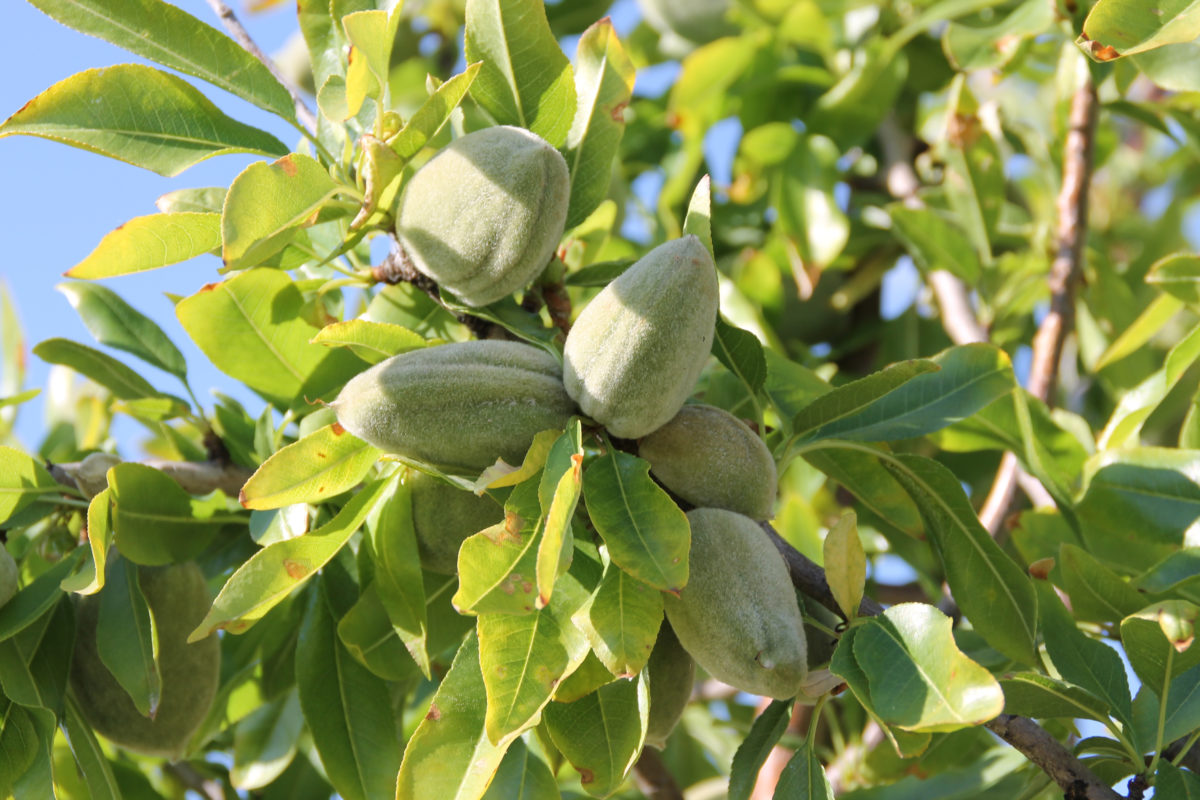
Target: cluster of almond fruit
x: 482, y: 218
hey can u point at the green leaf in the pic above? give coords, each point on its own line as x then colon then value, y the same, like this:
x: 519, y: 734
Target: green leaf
x: 558, y: 493
x: 919, y: 679
x: 525, y: 79
x: 972, y: 48
x: 264, y: 742
x: 150, y: 242
x: 18, y: 743
x: 1159, y: 642
x: 602, y: 733
x: 90, y: 578
x: 621, y: 621
x: 206, y: 200
x: 741, y: 353
x: 1116, y: 28
x: 117, y: 324
x: 368, y: 635
x: 450, y: 756
x: 319, y: 466
x: 139, y: 115
x: 803, y: 778
x: 1178, y: 275
x: 860, y: 471
x: 992, y: 591
x: 35, y: 599
x: 1080, y: 659
x: 1032, y: 694
x: 522, y: 776
x: 752, y: 753
x: 1179, y: 570
x: 35, y: 663
x: 934, y: 242
x: 348, y: 709
x: 497, y: 567
x: 523, y: 658
x: 803, y: 193
x: 1172, y: 782
x: 646, y: 533
x: 1139, y: 505
x: 974, y: 176
x: 902, y: 401
x: 371, y: 35
x: 267, y: 204
x: 172, y: 37
x: 698, y: 221
x: 1179, y: 715
x: 392, y: 543
x: 105, y: 370
x: 271, y: 574
x: 845, y: 564
x: 1139, y: 403
x: 252, y: 328
x: 371, y: 341
x: 604, y: 76
x: 89, y: 756
x: 1097, y: 593
x: 22, y: 480
x: 12, y: 359
x: 1153, y: 319
x: 433, y: 113
x: 127, y: 637
x: 155, y: 521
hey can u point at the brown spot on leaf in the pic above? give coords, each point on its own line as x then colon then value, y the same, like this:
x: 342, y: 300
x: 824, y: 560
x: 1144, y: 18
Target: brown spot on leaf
x: 586, y: 775
x: 322, y: 455
x: 1040, y: 569
x: 295, y: 569
x: 208, y: 287
x: 618, y: 113
x: 242, y: 498
x: 288, y: 165
x: 435, y: 713
x: 337, y: 428
x: 577, y: 466
x: 1100, y: 52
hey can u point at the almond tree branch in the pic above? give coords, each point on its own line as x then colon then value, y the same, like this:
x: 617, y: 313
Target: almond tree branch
x: 242, y: 37
x: 195, y: 477
x: 652, y: 777
x: 1025, y: 735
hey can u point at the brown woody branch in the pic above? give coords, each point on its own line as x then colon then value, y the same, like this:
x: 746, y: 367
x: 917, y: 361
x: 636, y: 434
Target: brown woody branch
x: 242, y: 37
x: 1075, y: 779
x: 196, y: 477
x: 653, y: 778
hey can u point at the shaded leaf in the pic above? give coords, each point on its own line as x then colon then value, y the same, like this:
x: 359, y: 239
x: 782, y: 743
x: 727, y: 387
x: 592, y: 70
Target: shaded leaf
x: 845, y: 564
x: 155, y: 521
x: 1032, y: 694
x: 127, y: 637
x: 752, y: 753
x: 1159, y: 642
x: 264, y: 742
x: 602, y: 733
x: 36, y: 598
x: 741, y: 353
x: 803, y: 777
x: 392, y: 542
x: 139, y: 115
x: 522, y: 776
x: 1097, y: 593
x: 621, y: 621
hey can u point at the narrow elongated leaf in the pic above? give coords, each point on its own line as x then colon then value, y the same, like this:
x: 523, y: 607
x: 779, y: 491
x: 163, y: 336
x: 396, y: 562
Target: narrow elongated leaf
x: 172, y: 37
x: 753, y: 751
x: 1116, y: 28
x: 267, y: 203
x: 995, y: 594
x: 139, y: 115
x: 525, y: 79
x: 433, y: 113
x: 252, y: 328
x: 803, y: 193
x: 322, y: 465
x: 741, y: 353
x: 497, y: 567
x: 117, y: 324
x: 90, y: 578
x: 154, y: 520
x: 862, y: 474
x: 101, y: 368
x: 698, y: 220
x: 127, y: 637
x: 522, y: 776
x: 602, y: 733
x: 264, y: 742
x: 621, y: 621
x: 604, y: 86
x: 1139, y: 402
x: 392, y: 542
x: 911, y: 398
x: 1032, y: 694
x: 18, y: 743
x: 272, y: 573
x: 450, y: 756
x: 22, y: 481
x: 352, y: 723
x: 35, y: 599
x: 920, y: 681
x: 1171, y: 781
x: 646, y: 533
x: 1097, y: 593
x: 803, y: 778
x: 845, y: 564
x: 1155, y: 316
x: 558, y: 493
x: 150, y: 242
x: 93, y: 764
x: 1083, y: 660
x: 1177, y: 275
x: 371, y: 341
x: 34, y: 663
x: 368, y: 635
x: 523, y: 658
x: 1179, y: 715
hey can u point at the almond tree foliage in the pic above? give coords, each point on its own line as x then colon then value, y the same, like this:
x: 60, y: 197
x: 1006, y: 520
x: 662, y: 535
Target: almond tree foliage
x: 983, y: 498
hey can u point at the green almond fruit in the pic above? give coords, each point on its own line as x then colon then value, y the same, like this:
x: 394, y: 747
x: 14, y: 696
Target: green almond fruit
x: 635, y: 352
x: 684, y: 24
x: 712, y: 459
x: 484, y: 216
x: 443, y: 516
x: 457, y: 407
x: 672, y: 673
x: 9, y: 576
x: 178, y: 597
x: 738, y: 615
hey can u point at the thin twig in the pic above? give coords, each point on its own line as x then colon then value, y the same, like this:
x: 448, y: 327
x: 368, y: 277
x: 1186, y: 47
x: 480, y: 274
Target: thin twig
x: 1065, y: 271
x: 242, y: 37
x: 653, y: 778
x: 196, y: 477
x: 1025, y: 735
